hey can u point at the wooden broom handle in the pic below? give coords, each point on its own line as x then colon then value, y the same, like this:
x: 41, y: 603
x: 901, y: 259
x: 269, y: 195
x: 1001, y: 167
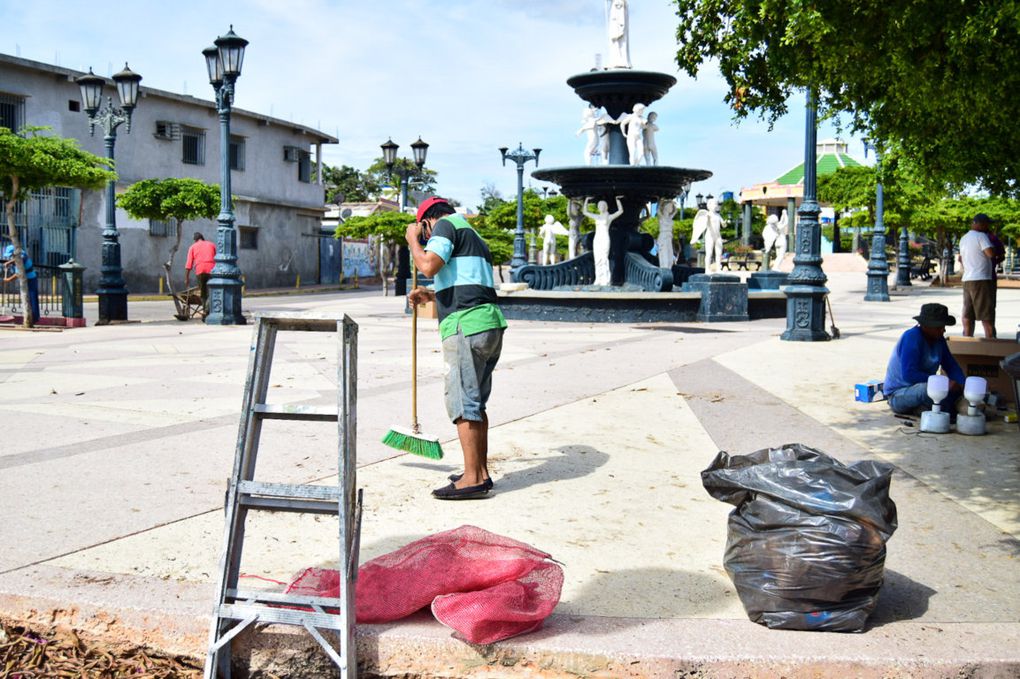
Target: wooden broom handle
x: 414, y: 353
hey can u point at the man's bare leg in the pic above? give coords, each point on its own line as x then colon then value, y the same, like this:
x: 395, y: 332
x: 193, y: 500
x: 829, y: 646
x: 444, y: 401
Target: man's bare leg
x: 968, y: 327
x: 474, y: 440
x: 989, y: 328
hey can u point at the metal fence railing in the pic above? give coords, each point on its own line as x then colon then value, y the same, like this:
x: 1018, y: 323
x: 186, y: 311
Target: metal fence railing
x: 50, y: 294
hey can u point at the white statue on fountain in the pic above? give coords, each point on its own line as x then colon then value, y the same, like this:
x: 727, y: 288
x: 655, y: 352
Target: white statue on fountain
x: 549, y: 230
x: 709, y: 222
x: 593, y: 124
x: 774, y: 233
x: 664, y: 245
x: 633, y: 127
x: 619, y: 48
x: 651, y: 152
x: 574, y: 216
x: 600, y: 243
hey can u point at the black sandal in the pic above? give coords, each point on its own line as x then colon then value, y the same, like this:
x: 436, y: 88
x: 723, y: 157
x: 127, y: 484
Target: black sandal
x: 452, y: 492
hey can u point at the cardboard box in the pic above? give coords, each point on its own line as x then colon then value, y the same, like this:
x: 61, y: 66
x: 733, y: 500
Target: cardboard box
x: 869, y: 392
x: 979, y: 356
x: 428, y: 310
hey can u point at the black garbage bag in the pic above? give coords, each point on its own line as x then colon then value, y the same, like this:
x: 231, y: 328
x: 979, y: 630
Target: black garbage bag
x: 806, y: 543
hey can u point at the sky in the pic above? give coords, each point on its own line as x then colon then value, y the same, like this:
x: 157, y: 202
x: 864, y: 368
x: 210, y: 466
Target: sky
x: 467, y: 76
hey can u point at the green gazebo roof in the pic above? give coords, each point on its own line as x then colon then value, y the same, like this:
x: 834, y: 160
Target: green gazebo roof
x: 827, y: 164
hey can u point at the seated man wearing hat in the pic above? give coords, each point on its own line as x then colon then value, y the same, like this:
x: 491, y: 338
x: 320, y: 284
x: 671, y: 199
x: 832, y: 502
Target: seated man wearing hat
x: 918, y: 355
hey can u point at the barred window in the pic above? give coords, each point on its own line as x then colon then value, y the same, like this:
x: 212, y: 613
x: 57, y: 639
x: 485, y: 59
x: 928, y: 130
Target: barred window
x: 304, y: 167
x: 12, y: 111
x: 237, y: 153
x: 248, y: 238
x: 163, y: 229
x: 194, y: 145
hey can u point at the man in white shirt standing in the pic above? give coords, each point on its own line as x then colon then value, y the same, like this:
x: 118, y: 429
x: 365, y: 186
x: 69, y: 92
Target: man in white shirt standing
x: 976, y: 253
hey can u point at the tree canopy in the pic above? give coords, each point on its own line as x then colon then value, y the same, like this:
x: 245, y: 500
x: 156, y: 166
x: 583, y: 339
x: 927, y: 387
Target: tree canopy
x: 31, y: 161
x: 390, y: 226
x: 935, y: 77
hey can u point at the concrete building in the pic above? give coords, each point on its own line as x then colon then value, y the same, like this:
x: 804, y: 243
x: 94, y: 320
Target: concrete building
x: 279, y: 204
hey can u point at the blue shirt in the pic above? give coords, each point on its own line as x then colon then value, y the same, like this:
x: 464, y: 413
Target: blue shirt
x: 914, y: 360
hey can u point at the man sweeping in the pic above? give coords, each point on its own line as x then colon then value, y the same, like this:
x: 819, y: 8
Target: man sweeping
x: 444, y: 246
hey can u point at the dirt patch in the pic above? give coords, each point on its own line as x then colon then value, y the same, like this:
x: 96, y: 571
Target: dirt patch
x: 27, y: 653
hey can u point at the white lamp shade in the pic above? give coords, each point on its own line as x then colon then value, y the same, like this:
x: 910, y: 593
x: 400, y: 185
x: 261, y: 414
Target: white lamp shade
x: 127, y: 87
x: 938, y: 387
x: 974, y: 389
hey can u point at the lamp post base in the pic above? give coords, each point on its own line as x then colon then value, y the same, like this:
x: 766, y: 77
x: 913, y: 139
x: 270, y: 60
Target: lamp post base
x: 805, y: 314
x: 112, y: 306
x: 878, y: 286
x: 225, y: 302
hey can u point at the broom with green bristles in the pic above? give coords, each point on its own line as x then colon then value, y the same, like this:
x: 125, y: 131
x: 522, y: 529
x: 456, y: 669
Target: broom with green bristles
x: 413, y: 441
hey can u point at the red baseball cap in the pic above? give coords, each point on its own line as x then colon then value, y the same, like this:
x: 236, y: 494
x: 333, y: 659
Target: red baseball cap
x: 429, y: 202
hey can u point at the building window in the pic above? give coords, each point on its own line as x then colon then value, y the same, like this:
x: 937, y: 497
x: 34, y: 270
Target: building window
x: 12, y: 111
x: 249, y: 238
x: 74, y: 105
x: 166, y: 130
x: 291, y: 154
x: 194, y: 145
x: 304, y: 168
x: 163, y: 229
x: 237, y: 153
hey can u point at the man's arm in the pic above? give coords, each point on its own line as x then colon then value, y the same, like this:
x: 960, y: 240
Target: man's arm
x: 429, y: 263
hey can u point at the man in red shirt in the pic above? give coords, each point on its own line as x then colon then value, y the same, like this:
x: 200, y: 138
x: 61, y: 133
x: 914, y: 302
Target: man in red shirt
x: 201, y: 258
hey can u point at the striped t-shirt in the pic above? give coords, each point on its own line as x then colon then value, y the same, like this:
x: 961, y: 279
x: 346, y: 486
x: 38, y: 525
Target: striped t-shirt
x: 465, y: 291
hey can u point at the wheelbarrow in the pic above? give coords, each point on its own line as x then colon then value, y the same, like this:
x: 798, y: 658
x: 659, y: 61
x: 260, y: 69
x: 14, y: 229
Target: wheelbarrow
x: 189, y: 304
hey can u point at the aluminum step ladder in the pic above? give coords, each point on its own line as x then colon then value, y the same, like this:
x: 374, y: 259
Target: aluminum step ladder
x: 238, y: 609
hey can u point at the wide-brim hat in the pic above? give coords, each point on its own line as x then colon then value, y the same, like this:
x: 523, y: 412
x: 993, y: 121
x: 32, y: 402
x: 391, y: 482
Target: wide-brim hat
x: 934, y: 315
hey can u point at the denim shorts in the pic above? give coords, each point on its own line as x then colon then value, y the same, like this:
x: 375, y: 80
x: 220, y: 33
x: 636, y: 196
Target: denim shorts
x: 913, y: 400
x: 470, y: 361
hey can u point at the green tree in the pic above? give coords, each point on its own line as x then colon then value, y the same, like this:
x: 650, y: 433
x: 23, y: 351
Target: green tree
x: 345, y: 184
x: 423, y: 180
x: 389, y: 226
x: 166, y: 199
x: 935, y: 77
x: 31, y: 161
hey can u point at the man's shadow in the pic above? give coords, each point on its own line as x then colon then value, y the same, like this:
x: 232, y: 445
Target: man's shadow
x: 561, y: 464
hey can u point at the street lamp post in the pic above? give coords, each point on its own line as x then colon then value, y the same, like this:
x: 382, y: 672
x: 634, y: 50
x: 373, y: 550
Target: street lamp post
x: 878, y: 265
x: 519, y: 156
x: 903, y: 260
x: 223, y: 61
x: 112, y: 291
x: 419, y: 150
x: 805, y: 294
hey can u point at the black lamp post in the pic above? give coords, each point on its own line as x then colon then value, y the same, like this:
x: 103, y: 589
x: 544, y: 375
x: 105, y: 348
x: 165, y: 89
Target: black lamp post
x: 419, y: 150
x: 223, y: 61
x: 112, y: 291
x: 878, y: 265
x: 805, y: 294
x: 903, y: 260
x: 519, y: 156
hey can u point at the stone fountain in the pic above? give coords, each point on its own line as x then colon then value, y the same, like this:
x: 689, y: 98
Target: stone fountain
x: 640, y: 289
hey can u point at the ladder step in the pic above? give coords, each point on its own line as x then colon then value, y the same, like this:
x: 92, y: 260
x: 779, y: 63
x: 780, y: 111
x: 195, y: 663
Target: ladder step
x: 287, y: 490
x: 306, y: 413
x: 281, y: 504
x: 286, y: 616
x: 309, y: 321
x: 252, y: 596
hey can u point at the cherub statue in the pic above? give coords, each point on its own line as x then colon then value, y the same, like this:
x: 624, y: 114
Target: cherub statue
x: 574, y: 216
x: 774, y: 233
x: 633, y: 127
x: 651, y: 153
x: 709, y: 222
x: 619, y: 49
x: 590, y: 127
x: 600, y: 243
x: 548, y: 231
x: 666, y: 212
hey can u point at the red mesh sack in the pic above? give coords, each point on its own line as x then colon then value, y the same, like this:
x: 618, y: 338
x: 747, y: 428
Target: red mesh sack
x: 485, y: 586
x: 504, y: 610
x: 465, y: 559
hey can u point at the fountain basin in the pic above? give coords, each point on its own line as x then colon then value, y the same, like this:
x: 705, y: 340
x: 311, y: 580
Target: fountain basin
x: 636, y: 183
